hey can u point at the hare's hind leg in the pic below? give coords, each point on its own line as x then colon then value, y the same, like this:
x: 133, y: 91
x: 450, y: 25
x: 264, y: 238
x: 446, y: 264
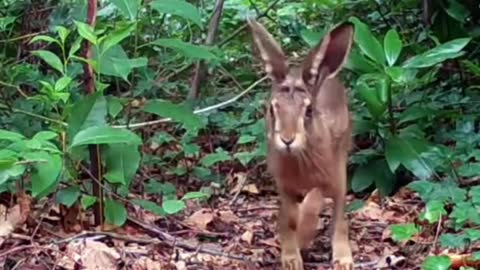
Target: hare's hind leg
x: 342, y: 253
x: 288, y: 225
x: 308, y: 217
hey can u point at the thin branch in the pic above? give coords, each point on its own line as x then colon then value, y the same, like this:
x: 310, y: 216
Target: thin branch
x: 199, y: 111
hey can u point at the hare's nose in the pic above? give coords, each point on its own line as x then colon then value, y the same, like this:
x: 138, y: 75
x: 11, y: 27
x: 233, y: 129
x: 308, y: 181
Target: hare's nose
x: 288, y: 141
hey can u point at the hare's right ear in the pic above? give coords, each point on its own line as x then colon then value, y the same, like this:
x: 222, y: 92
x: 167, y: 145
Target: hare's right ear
x: 273, y: 58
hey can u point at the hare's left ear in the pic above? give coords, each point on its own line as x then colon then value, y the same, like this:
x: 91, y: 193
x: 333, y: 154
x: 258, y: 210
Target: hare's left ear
x: 272, y: 56
x: 327, y: 58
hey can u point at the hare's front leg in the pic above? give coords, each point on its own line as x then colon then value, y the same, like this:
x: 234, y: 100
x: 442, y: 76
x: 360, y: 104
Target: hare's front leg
x: 342, y: 253
x: 287, y: 226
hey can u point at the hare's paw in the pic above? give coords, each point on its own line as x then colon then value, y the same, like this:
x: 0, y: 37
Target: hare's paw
x: 292, y: 261
x: 343, y: 263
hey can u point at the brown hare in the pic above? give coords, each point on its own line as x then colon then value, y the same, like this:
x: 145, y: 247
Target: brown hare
x: 308, y: 127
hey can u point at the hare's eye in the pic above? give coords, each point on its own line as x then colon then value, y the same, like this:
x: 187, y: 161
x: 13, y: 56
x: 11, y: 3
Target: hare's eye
x: 309, y: 111
x: 284, y: 89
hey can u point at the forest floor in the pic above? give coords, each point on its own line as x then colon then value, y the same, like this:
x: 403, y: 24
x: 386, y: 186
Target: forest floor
x: 235, y: 231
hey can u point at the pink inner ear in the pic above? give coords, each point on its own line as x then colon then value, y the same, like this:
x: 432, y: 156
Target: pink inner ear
x: 338, y: 48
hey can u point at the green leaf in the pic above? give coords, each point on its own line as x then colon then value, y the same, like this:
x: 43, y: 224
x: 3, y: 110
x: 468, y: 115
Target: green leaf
x: 403, y: 232
x: 434, y: 210
x: 129, y: 8
x: 118, y: 35
x: 45, y: 135
x: 115, y: 62
x: 358, y: 63
x: 115, y: 213
x: 246, y: 139
x: 367, y: 42
x: 406, y: 151
x: 122, y: 162
x: 50, y: 58
x: 448, y: 50
x: 245, y: 157
x: 311, y: 38
x: 436, y: 263
x: 375, y: 171
x: 10, y: 136
x: 62, y: 33
x: 220, y: 155
x: 472, y: 67
x: 180, y: 8
x: 150, y: 206
x: 68, y: 196
x: 115, y: 106
x: 105, y: 135
x: 62, y: 83
x: 177, y: 112
x: 87, y: 112
x: 370, y: 97
x: 449, y: 240
x: 393, y: 46
x: 362, y: 178
x: 44, y: 38
x: 457, y: 11
x: 86, y: 31
x: 87, y: 201
x: 195, y: 195
x: 75, y: 47
x: 173, y: 206
x: 186, y: 49
x: 45, y: 174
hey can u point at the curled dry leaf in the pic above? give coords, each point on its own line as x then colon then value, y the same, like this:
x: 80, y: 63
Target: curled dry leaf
x: 200, y: 219
x: 90, y: 254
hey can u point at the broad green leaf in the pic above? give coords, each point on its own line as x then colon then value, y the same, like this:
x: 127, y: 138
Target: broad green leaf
x: 245, y: 157
x: 211, y: 159
x: 449, y: 240
x: 246, y: 139
x: 473, y: 234
x: 367, y: 42
x: 105, y: 135
x: 362, y: 178
x: 457, y: 11
x: 370, y: 97
x: 75, y: 47
x: 44, y: 38
x: 62, y: 83
x: 177, y: 112
x: 86, y: 31
x: 150, y: 206
x: 10, y: 136
x: 68, y: 196
x: 311, y: 38
x: 180, y: 8
x: 129, y: 8
x: 87, y: 112
x: 449, y: 50
x: 8, y: 169
x: 45, y: 136
x: 474, y: 68
x: 436, y: 263
x: 122, y: 162
x: 186, y: 49
x: 173, y: 206
x: 115, y: 62
x: 51, y: 59
x: 62, y: 33
x: 434, y: 210
x: 117, y: 36
x: 115, y: 213
x: 195, y: 195
x: 45, y: 174
x: 375, y: 171
x: 115, y: 106
x: 393, y: 46
x: 87, y: 201
x: 403, y: 232
x: 358, y: 63
x: 406, y: 151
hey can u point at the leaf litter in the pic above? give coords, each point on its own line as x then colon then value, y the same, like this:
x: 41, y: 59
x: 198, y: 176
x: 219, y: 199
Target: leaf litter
x: 234, y: 230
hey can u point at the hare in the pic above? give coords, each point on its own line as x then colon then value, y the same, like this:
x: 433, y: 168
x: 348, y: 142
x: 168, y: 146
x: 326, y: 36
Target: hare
x: 308, y: 128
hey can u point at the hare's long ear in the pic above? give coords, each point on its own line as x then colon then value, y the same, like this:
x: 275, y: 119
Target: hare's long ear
x: 327, y: 58
x: 273, y: 58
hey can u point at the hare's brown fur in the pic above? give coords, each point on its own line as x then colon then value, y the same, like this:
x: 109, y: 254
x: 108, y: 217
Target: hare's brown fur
x: 308, y: 127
